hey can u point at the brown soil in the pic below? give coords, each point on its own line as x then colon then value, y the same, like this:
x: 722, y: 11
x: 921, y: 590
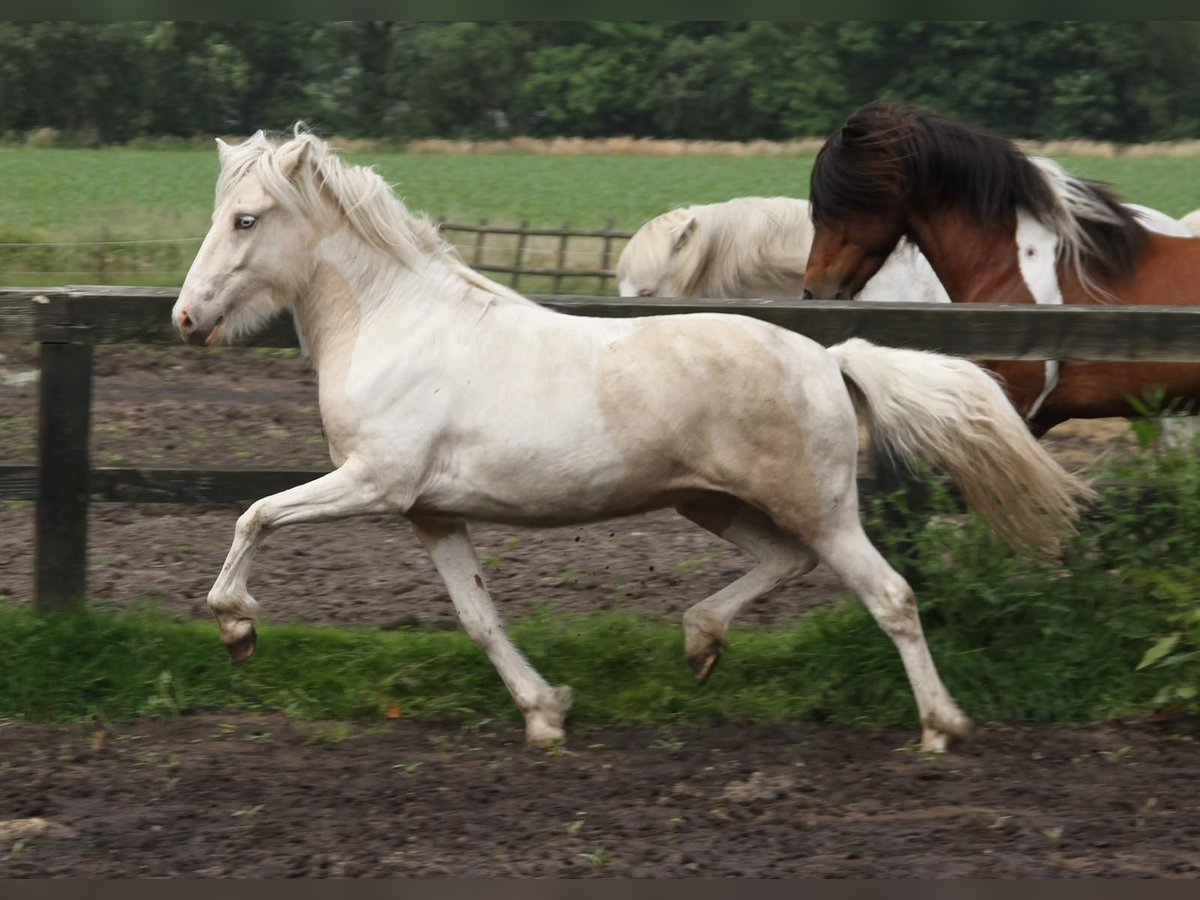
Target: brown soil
x: 262, y: 796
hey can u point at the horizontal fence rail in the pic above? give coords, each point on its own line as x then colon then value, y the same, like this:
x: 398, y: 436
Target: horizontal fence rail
x: 67, y: 321
x: 106, y: 315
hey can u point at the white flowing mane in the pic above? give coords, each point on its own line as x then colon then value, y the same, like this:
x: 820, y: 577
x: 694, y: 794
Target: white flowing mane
x: 1076, y: 204
x: 368, y: 203
x: 740, y: 242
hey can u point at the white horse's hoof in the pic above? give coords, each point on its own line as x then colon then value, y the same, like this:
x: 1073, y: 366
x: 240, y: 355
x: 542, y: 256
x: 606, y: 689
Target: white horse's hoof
x: 239, y: 637
x: 704, y: 641
x: 541, y: 733
x: 544, y: 725
x: 940, y: 734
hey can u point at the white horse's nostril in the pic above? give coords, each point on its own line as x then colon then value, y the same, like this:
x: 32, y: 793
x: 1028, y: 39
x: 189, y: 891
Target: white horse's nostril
x: 185, y: 322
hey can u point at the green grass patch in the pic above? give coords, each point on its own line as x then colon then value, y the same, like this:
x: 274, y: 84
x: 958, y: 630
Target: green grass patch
x: 129, y: 194
x: 1067, y: 658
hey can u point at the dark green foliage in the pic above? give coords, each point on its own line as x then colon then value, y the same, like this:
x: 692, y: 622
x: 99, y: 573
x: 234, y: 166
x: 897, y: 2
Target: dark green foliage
x: 112, y: 81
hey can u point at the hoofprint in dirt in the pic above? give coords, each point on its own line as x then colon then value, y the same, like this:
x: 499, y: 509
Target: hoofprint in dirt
x: 214, y: 795
x: 244, y: 407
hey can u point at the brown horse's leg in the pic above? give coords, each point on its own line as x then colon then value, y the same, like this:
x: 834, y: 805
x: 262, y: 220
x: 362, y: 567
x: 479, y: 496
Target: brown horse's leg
x: 1022, y: 381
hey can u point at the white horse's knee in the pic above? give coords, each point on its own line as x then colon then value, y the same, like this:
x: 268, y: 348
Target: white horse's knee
x: 252, y: 521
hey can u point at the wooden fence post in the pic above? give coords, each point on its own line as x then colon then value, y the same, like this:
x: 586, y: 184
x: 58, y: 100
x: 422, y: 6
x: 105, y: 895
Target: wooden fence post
x: 477, y: 258
x: 606, y: 255
x: 64, y: 421
x: 562, y: 257
x: 521, y: 239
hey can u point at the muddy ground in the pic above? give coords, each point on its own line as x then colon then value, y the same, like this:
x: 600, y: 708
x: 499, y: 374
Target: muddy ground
x: 247, y: 796
x: 261, y: 796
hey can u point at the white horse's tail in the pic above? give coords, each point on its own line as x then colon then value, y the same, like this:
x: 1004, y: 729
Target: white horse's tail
x: 953, y: 414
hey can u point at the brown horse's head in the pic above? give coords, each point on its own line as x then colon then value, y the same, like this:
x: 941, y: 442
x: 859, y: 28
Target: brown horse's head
x: 894, y: 170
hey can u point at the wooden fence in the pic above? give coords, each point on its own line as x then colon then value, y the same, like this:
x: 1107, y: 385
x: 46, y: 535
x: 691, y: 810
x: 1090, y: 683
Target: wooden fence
x: 549, y: 260
x: 68, y: 322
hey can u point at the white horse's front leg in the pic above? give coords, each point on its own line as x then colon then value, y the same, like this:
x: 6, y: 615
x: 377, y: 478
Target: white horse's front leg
x: 341, y: 493
x: 453, y: 554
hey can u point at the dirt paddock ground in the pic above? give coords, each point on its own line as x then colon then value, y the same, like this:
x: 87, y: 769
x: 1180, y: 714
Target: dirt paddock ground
x: 261, y: 796
x: 257, y: 796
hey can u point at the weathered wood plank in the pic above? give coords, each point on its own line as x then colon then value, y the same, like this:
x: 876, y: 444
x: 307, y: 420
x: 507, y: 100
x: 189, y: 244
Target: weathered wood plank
x: 978, y: 330
x: 152, y: 484
x: 237, y: 485
x: 60, y: 531
x: 982, y: 331
x: 162, y: 484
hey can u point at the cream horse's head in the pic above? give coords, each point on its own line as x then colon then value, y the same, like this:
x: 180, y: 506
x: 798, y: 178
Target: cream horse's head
x: 647, y: 266
x: 257, y: 256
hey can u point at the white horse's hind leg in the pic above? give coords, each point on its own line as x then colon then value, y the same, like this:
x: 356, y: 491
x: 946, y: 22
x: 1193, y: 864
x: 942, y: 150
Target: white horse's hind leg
x: 453, y: 554
x: 888, y: 596
x: 339, y: 494
x: 779, y: 556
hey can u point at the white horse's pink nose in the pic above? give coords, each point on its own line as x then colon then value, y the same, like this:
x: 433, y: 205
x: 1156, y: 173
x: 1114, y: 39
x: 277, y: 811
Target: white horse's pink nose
x: 184, y: 323
x: 187, y: 325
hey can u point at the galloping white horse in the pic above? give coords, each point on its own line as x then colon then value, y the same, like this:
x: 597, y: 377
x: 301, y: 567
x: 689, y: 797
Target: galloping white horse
x: 750, y: 247
x: 447, y: 398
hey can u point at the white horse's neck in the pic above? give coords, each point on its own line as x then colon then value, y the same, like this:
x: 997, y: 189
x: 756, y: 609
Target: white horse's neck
x: 355, y: 284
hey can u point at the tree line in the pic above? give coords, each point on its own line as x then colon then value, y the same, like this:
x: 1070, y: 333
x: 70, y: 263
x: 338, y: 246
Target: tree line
x: 105, y: 82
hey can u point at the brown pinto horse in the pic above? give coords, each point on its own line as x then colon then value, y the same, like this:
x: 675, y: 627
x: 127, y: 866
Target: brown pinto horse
x: 981, y: 212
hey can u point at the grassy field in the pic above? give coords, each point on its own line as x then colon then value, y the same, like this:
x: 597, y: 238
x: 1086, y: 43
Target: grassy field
x: 121, y: 194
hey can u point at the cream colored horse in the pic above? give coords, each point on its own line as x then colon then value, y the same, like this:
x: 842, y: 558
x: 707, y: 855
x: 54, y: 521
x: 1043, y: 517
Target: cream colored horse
x: 447, y: 398
x: 750, y: 247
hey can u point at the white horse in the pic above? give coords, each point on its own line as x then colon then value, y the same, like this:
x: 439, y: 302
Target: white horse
x: 448, y: 398
x: 1192, y: 222
x: 750, y: 247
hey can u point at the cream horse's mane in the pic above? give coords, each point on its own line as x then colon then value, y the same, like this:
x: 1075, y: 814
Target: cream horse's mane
x: 713, y: 249
x: 367, y: 202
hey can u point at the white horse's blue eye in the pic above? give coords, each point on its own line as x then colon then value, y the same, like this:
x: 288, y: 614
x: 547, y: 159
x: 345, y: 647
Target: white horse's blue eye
x: 244, y: 222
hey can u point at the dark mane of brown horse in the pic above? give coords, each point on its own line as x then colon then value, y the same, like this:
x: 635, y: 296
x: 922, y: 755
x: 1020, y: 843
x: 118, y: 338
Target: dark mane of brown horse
x: 893, y: 153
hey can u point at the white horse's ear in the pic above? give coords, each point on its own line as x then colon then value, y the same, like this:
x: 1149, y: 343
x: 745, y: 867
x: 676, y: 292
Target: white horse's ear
x: 290, y: 160
x: 222, y: 151
x: 681, y: 234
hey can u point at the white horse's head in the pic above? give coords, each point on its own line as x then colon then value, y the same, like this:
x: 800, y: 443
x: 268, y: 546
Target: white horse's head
x: 744, y: 247
x: 277, y: 203
x: 257, y: 254
x: 647, y: 265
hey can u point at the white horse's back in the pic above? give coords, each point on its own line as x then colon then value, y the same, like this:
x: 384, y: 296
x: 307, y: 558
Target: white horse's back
x: 750, y: 247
